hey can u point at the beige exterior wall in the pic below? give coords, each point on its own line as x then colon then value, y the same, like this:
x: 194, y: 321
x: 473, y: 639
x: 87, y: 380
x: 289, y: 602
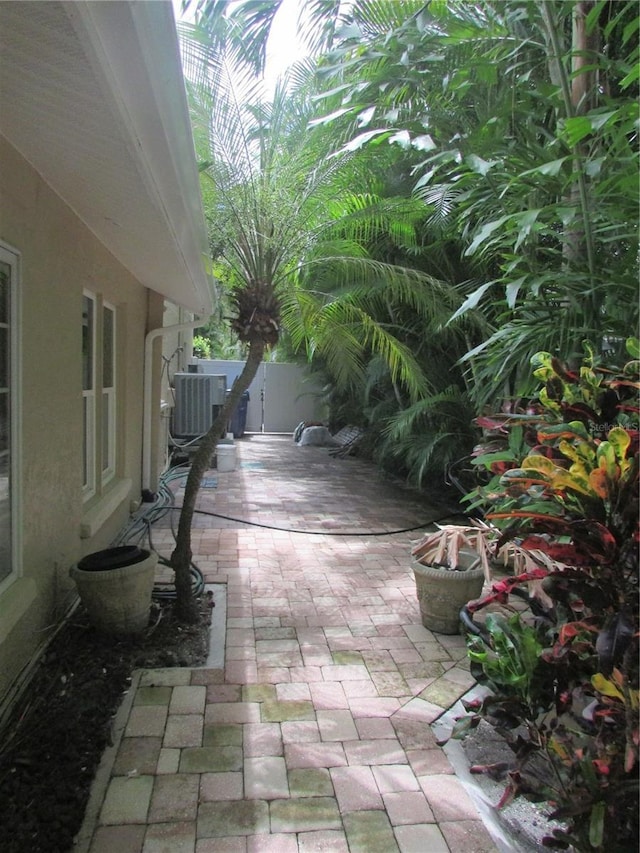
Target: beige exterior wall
x: 59, y: 259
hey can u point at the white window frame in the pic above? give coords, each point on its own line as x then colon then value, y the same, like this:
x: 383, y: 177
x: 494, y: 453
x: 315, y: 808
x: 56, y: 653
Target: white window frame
x: 100, y: 399
x: 12, y: 258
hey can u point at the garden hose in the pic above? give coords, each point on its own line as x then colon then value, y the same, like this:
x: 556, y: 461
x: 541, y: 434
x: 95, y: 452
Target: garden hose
x: 139, y: 529
x: 326, y: 532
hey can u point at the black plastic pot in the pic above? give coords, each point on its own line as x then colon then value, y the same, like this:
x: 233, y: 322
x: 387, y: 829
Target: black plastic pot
x: 113, y: 558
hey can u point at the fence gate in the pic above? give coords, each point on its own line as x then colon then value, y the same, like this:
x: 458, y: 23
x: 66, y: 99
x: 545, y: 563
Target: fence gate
x: 280, y: 395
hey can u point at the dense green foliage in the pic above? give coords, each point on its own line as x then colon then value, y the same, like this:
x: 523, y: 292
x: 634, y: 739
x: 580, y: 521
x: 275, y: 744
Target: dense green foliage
x: 564, y: 677
x: 511, y: 129
x: 524, y: 116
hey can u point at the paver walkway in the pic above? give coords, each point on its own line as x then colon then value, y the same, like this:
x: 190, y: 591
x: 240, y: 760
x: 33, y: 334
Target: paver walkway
x: 312, y: 733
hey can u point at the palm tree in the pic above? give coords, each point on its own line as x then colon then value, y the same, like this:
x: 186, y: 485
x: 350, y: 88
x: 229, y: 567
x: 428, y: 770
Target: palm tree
x: 292, y: 232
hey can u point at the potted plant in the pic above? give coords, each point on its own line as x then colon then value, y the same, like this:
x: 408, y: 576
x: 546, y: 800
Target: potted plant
x: 450, y: 566
x: 115, y: 587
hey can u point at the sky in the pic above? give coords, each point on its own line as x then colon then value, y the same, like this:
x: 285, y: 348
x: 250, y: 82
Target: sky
x: 283, y: 47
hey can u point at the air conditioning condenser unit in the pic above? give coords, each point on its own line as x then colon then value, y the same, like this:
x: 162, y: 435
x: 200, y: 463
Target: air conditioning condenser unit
x: 198, y: 398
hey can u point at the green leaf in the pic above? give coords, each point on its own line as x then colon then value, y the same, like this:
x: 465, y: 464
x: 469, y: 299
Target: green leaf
x: 512, y: 290
x: 516, y: 436
x: 619, y: 439
x: 362, y: 139
x: 328, y: 94
x: 631, y: 77
x: 329, y: 118
x: 463, y: 726
x: 575, y: 129
x: 401, y: 138
x: 598, y: 120
x: 498, y: 456
x: 424, y: 142
x: 485, y: 232
x: 566, y: 215
x: 527, y: 221
x: 633, y: 347
x: 552, y: 168
x: 487, y: 72
x: 594, y: 167
x: 349, y: 31
x: 471, y: 301
x: 631, y: 29
x: 425, y: 179
x: 480, y: 166
x: 596, y: 825
x: 573, y: 431
x: 365, y: 116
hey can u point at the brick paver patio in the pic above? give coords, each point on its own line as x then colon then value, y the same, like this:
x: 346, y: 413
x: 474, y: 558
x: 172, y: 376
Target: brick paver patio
x: 312, y: 733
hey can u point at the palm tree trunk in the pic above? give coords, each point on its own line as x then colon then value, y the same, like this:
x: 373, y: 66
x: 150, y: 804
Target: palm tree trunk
x: 182, y: 554
x: 578, y: 242
x: 583, y: 63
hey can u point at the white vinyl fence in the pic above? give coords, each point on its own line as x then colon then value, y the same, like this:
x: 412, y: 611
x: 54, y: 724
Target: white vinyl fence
x: 280, y: 395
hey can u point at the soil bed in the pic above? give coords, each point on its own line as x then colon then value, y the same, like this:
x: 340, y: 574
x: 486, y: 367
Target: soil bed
x: 54, y: 740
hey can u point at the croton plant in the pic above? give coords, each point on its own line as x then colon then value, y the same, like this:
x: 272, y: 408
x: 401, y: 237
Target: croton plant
x: 561, y: 483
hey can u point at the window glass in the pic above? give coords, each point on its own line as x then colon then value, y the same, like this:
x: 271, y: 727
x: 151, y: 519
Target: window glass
x: 88, y: 396
x: 5, y: 284
x: 99, y: 393
x: 86, y: 462
x: 106, y: 432
x: 4, y: 423
x: 108, y: 348
x: 6, y: 526
x: 4, y: 355
x: 108, y: 392
x: 87, y: 342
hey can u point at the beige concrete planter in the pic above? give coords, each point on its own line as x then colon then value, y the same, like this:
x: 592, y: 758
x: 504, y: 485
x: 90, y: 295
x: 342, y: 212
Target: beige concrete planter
x: 117, y: 597
x: 442, y: 593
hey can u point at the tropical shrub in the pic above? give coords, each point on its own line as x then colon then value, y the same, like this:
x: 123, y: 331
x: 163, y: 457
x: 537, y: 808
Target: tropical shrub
x: 201, y: 347
x: 564, y: 675
x: 520, y: 118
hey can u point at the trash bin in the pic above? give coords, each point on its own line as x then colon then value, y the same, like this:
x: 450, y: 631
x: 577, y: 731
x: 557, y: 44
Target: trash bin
x: 238, y: 420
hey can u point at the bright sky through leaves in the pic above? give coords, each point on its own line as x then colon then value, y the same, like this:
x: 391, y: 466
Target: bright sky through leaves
x: 283, y: 47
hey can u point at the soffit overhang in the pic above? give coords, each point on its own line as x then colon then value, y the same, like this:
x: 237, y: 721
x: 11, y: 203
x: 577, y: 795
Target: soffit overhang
x: 92, y: 95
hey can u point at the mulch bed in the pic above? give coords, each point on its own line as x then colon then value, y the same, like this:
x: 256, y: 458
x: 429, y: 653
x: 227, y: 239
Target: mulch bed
x: 52, y: 745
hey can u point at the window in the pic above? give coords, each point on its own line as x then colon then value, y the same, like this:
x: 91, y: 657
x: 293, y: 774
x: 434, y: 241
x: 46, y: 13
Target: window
x: 88, y: 394
x: 8, y: 408
x: 108, y: 392
x: 99, y: 404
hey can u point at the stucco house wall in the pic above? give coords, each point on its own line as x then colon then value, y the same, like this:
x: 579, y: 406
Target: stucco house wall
x: 60, y: 258
x: 100, y: 217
